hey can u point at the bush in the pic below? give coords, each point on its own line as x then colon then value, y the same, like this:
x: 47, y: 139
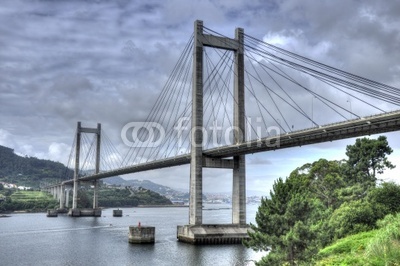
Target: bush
x: 352, y: 217
x: 387, y: 195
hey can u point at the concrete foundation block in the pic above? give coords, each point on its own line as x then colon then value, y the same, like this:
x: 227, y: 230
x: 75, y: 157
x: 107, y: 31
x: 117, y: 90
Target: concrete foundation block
x: 52, y: 213
x: 85, y: 212
x: 74, y: 212
x: 117, y: 213
x: 212, y: 234
x: 142, y: 234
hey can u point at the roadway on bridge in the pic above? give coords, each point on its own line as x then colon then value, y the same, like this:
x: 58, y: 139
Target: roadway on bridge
x: 376, y: 124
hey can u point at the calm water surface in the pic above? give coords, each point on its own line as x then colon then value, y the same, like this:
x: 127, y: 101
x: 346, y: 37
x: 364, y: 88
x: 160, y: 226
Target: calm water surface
x: 34, y: 239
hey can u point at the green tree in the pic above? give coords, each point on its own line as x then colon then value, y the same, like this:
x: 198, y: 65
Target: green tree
x: 1, y: 186
x: 353, y: 217
x: 283, y: 222
x: 352, y: 192
x: 326, y: 180
x: 270, y: 223
x: 323, y: 201
x: 386, y: 197
x: 367, y: 158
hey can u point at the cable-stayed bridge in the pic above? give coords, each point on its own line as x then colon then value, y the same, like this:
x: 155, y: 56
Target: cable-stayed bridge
x: 226, y: 98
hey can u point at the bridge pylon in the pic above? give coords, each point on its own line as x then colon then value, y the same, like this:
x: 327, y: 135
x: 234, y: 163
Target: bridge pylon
x: 197, y: 232
x: 75, y: 211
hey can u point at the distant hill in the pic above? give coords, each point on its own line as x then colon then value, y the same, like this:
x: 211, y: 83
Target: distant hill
x: 170, y: 193
x: 29, y: 171
x: 119, y: 181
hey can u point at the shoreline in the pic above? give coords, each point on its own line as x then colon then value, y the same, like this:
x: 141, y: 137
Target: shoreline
x: 6, y: 213
x: 22, y: 211
x: 160, y: 206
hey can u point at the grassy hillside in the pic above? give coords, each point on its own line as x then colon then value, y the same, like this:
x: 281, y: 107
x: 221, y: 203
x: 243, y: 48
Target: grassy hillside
x: 30, y: 196
x: 29, y: 201
x: 376, y: 247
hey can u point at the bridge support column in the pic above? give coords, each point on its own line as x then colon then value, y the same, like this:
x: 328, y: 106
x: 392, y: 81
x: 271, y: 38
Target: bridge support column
x: 53, y: 192
x: 97, y: 170
x: 67, y: 197
x: 59, y: 192
x: 239, y: 171
x: 95, y: 196
x: 196, y: 163
x: 196, y: 232
x: 239, y: 191
x: 76, y: 170
x: 62, y: 197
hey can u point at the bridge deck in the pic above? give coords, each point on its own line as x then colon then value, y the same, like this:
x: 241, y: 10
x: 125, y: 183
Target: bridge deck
x: 354, y: 128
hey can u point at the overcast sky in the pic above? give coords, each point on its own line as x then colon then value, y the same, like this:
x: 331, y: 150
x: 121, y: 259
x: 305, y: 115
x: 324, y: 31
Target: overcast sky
x: 107, y: 61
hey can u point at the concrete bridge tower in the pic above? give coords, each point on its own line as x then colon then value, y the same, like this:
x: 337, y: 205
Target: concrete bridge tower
x: 196, y: 232
x: 95, y: 211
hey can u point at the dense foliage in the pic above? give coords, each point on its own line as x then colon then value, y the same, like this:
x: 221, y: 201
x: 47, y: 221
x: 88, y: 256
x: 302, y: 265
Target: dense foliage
x: 29, y: 171
x: 366, y: 158
x: 322, y: 202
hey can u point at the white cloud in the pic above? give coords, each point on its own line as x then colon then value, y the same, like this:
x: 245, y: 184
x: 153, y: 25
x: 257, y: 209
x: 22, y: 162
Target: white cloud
x: 6, y: 139
x: 59, y: 152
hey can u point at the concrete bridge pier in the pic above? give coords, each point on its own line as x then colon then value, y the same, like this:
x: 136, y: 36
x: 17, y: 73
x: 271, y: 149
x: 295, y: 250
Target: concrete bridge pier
x: 64, y: 199
x: 97, y: 170
x: 62, y: 195
x: 53, y: 192
x: 68, y: 190
x: 95, y: 194
x: 197, y: 232
x: 75, y: 211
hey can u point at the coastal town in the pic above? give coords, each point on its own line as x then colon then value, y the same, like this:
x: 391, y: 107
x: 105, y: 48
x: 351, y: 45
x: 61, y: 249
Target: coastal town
x: 14, y: 186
